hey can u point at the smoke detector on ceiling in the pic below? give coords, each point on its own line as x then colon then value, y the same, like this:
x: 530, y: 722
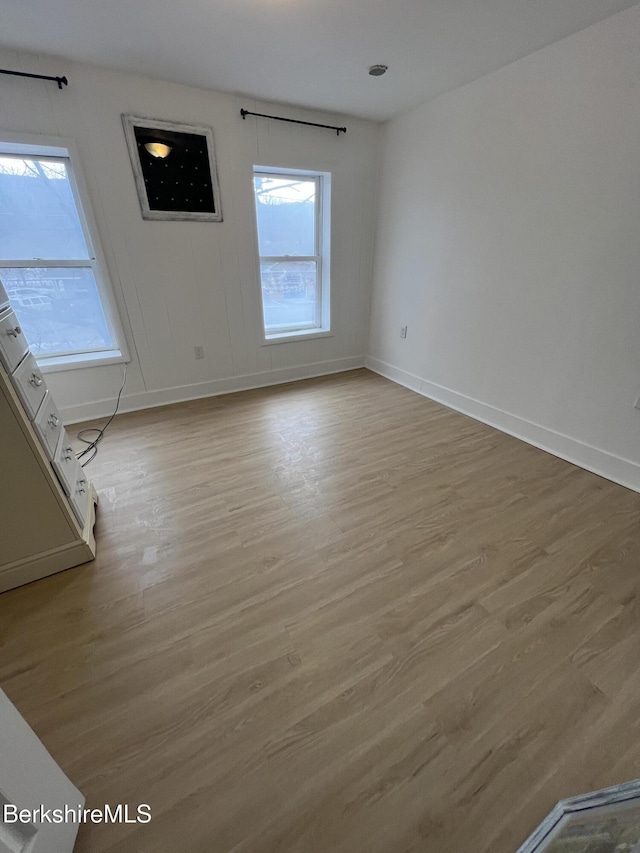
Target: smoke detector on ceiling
x: 377, y: 70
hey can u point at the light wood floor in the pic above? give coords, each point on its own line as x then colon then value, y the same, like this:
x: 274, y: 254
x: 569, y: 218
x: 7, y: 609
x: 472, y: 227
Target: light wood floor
x: 335, y: 616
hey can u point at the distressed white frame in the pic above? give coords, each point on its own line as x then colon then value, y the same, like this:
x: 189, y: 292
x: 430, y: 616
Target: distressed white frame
x: 547, y: 830
x: 130, y: 122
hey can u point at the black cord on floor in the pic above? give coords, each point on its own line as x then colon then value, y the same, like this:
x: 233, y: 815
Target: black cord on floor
x: 93, y: 443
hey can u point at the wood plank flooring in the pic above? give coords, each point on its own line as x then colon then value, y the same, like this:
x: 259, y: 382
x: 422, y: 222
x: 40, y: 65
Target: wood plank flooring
x: 334, y: 617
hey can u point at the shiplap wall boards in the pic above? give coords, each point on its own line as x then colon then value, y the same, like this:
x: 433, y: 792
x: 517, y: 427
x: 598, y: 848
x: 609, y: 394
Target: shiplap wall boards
x: 505, y: 238
x: 181, y: 285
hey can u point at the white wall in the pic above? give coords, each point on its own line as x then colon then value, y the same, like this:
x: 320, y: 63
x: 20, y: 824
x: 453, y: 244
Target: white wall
x: 509, y: 242
x: 180, y: 284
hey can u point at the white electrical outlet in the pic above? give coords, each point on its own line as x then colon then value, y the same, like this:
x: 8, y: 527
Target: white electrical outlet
x: 198, y: 352
x: 403, y: 331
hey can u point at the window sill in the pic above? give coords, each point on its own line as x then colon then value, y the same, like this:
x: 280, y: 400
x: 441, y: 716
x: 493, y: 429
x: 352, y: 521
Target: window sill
x: 73, y: 362
x: 307, y: 335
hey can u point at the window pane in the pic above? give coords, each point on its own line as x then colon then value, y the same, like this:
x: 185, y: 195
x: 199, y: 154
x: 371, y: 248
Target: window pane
x: 286, y: 215
x: 38, y: 216
x: 289, y: 294
x: 59, y: 309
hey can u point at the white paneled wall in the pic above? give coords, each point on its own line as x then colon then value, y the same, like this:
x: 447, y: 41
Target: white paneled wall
x: 509, y: 242
x: 181, y: 284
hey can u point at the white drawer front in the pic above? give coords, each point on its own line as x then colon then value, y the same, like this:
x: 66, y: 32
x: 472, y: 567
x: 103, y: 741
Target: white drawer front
x: 48, y: 424
x: 13, y: 344
x: 65, y: 463
x: 30, y: 385
x: 4, y: 299
x: 80, y: 496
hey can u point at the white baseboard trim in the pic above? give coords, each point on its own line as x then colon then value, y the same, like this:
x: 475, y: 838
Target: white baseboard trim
x: 608, y: 465
x: 182, y: 393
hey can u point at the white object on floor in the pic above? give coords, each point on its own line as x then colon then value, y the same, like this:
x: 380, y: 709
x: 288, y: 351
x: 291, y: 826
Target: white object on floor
x: 29, y: 778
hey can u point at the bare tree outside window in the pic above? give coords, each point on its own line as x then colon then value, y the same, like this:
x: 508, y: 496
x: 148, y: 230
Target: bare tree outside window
x: 46, y: 264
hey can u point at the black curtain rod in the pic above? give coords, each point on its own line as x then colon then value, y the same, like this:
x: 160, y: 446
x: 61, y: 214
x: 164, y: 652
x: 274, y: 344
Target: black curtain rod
x: 59, y: 80
x: 339, y: 130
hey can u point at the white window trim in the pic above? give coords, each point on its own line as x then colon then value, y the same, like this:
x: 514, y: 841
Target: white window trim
x: 323, y: 258
x: 287, y: 337
x: 54, y: 146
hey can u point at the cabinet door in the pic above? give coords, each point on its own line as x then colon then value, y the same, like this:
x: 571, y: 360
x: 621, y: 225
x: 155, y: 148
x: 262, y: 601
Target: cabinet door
x: 29, y: 778
x: 65, y: 464
x: 13, y: 344
x: 80, y: 496
x: 30, y: 385
x: 48, y: 424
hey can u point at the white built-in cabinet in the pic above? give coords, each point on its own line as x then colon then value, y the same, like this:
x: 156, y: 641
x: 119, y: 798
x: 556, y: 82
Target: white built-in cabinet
x: 47, y: 503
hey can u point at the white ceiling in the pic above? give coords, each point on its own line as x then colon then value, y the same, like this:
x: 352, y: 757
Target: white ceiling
x: 313, y: 53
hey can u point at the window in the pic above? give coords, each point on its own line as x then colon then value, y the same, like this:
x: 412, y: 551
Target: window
x: 292, y: 214
x: 47, y: 260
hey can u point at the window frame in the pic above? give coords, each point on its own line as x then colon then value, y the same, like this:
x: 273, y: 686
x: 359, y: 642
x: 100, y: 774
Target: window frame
x: 322, y: 258
x: 56, y: 148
